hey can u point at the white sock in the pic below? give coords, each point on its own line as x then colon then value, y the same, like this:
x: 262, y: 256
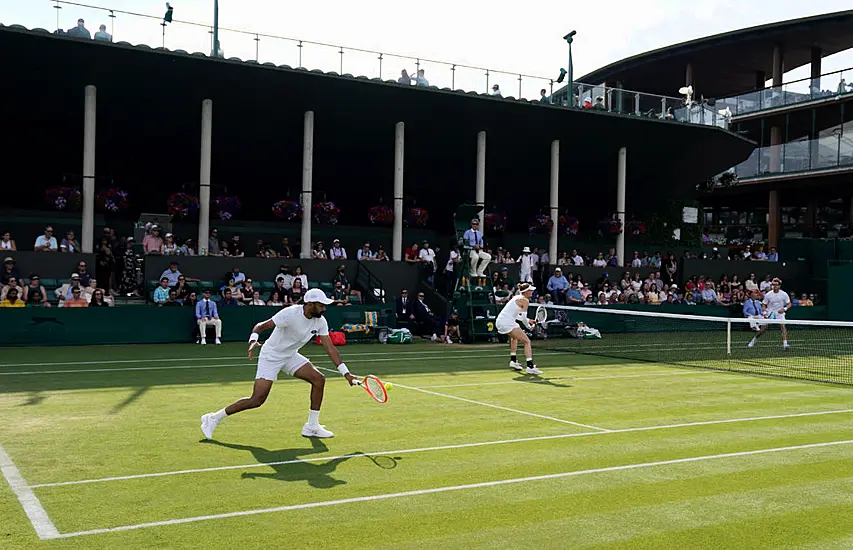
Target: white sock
x: 220, y: 414
x: 313, y: 418
x: 785, y: 343
x: 753, y: 341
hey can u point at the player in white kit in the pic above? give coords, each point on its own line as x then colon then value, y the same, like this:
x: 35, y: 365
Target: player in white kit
x: 514, y: 312
x: 776, y: 303
x: 292, y: 327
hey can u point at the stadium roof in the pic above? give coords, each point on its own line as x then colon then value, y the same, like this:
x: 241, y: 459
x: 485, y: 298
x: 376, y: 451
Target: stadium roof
x: 726, y: 64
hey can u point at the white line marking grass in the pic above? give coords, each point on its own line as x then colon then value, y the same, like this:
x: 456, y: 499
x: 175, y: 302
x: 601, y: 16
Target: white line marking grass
x: 446, y: 489
x: 573, y: 378
x: 30, y: 502
x: 441, y: 448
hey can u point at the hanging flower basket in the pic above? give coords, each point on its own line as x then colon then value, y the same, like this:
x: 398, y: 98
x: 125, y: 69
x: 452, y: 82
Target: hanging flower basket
x: 610, y: 226
x: 182, y: 205
x: 287, y: 210
x: 112, y: 199
x: 636, y: 228
x: 226, y: 207
x: 416, y: 217
x: 325, y: 213
x: 569, y: 225
x: 495, y: 222
x: 380, y: 215
x: 68, y: 199
x: 540, y: 225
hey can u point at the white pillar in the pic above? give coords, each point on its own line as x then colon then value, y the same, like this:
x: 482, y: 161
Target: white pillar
x: 555, y: 200
x: 620, y: 204
x: 480, y: 193
x: 204, y: 176
x: 89, y: 126
x: 399, y: 157
x: 307, y: 183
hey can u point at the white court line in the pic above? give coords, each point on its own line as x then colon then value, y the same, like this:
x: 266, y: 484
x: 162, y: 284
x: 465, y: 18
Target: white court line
x: 45, y: 529
x: 439, y: 448
x: 446, y: 489
x: 571, y: 379
x: 445, y: 351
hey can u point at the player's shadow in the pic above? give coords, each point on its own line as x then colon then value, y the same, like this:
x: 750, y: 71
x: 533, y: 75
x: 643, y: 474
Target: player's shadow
x: 290, y: 468
x: 528, y: 379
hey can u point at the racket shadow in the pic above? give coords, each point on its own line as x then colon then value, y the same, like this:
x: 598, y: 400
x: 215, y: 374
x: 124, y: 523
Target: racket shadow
x: 531, y: 379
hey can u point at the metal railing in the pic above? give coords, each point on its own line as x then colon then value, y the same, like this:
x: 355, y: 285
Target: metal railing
x: 138, y: 28
x: 828, y: 85
x: 833, y: 150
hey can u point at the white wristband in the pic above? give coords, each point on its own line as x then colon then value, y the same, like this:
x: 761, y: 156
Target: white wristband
x: 253, y: 337
x: 342, y: 368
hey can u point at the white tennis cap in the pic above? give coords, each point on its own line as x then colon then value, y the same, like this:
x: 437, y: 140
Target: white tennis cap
x: 317, y: 295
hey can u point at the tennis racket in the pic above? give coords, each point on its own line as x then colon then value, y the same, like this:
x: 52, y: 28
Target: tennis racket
x: 541, y: 315
x: 374, y: 387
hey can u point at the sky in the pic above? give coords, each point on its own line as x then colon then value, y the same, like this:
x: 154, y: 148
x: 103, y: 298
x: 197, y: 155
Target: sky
x: 521, y: 39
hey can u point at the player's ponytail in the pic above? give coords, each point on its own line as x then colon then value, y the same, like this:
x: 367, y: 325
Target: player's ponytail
x: 521, y: 288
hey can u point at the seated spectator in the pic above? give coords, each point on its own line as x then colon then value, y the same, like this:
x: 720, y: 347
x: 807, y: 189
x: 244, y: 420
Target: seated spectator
x: 284, y: 278
x: 191, y: 299
x: 709, y: 295
x: 236, y: 275
x: 247, y: 293
x: 612, y: 259
x: 46, y: 242
x: 428, y: 321
x: 284, y: 250
x: 563, y: 259
x: 228, y: 299
x: 70, y: 244
x: 65, y: 291
x: 759, y: 254
x: 234, y: 248
x: 12, y: 298
x: 102, y: 35
x: 405, y: 308
x: 232, y: 287
x: 573, y: 295
x: 805, y: 301
x: 508, y: 259
x: 12, y: 284
x: 381, y: 256
x: 586, y: 292
x: 341, y: 277
x: 277, y: 298
x: 365, y: 254
x: 773, y: 256
x: 298, y: 274
x: 411, y: 255
x: 256, y: 299
x: 451, y: 328
x: 602, y: 299
x: 297, y: 291
x: 340, y: 295
x: 6, y: 242
x: 206, y: 313
x: 213, y: 246
x: 750, y: 284
x: 36, y: 299
x: 82, y: 272
x: 181, y: 289
x: 35, y: 287
x: 688, y: 299
x: 636, y: 283
x: 265, y: 250
x: 766, y: 284
x: 161, y: 293
x: 319, y: 253
x: 558, y: 286
x: 337, y: 252
x: 625, y: 283
x: 152, y: 243
x: 725, y: 294
x: 77, y: 299
x: 89, y: 289
x: 80, y: 31
x: 170, y: 247
x: 172, y: 274
x: 656, y: 261
x: 599, y: 261
x: 98, y: 299
x: 635, y: 260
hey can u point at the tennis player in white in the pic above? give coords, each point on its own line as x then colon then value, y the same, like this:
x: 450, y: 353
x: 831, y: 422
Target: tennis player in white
x: 292, y: 327
x: 514, y: 312
x: 776, y: 303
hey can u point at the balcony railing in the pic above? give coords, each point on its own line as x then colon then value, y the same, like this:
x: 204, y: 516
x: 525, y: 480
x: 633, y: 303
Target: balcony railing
x: 798, y: 91
x: 831, y: 151
x: 136, y: 28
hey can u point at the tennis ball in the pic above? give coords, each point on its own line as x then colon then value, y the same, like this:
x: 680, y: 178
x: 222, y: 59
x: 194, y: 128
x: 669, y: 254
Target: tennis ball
x: 388, y: 385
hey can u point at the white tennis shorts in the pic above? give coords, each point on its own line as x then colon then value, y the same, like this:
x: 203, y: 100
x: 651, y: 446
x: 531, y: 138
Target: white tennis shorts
x: 268, y: 369
x: 505, y: 329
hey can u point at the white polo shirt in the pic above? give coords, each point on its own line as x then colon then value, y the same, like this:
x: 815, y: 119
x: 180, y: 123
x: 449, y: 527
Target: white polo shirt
x: 292, y: 331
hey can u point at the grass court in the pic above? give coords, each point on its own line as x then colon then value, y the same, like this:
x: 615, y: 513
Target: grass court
x: 101, y: 448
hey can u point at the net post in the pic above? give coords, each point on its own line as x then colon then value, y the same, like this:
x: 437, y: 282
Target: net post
x: 729, y: 337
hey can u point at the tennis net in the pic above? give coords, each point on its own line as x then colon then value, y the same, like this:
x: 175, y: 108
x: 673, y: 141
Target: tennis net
x: 821, y: 351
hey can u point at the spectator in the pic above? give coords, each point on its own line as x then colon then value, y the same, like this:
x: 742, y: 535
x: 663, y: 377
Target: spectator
x: 625, y: 283
x: 232, y: 287
x: 612, y: 259
x: 558, y: 286
x: 170, y: 248
x: 182, y: 291
x: 228, y: 299
x: 337, y: 252
x: 303, y: 278
x: 297, y: 291
x: 599, y: 104
x: 735, y: 283
x: 98, y: 299
x: 365, y: 254
x: 277, y: 298
x: 340, y: 295
x: 381, y: 256
x: 525, y: 266
x: 247, y: 293
x: 421, y: 80
x: 172, y: 274
x: 427, y: 258
x: 759, y: 254
x: 750, y: 284
x: 473, y: 238
x: 206, y: 314
x: 236, y: 275
x: 36, y: 299
x: 543, y: 97
x: 405, y: 308
x: 709, y: 295
x: 89, y: 289
x: 564, y: 260
x: 535, y: 260
x: 411, y: 255
x: 213, y: 247
x: 773, y: 256
x: 319, y: 253
x: 725, y: 294
x: 235, y: 249
x: 70, y: 244
x: 577, y: 259
x: 191, y: 300
x: 13, y: 283
x: 102, y: 35
x: 404, y: 78
x: 64, y: 292
x: 573, y: 295
x: 284, y: 250
x: 423, y: 314
x: 453, y: 259
x: 451, y: 328
x: 34, y: 287
x: 77, y: 299
x: 105, y: 267
x: 599, y: 261
x: 766, y: 284
x: 341, y: 277
x: 657, y: 261
x: 496, y: 91
x: 284, y: 278
x: 671, y: 270
x: 265, y: 250
x: 171, y: 300
x: 12, y: 298
x: 161, y: 293
x: 256, y: 299
x: 80, y: 31
x: 152, y: 244
x: 46, y: 242
x: 636, y: 261
x: 6, y: 242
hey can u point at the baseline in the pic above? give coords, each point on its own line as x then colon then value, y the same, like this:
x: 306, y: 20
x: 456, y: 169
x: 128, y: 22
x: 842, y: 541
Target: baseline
x: 45, y: 529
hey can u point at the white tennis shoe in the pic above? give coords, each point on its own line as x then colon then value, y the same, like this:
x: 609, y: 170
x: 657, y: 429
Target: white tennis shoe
x: 533, y: 370
x: 316, y: 431
x: 208, y: 424
x: 516, y: 366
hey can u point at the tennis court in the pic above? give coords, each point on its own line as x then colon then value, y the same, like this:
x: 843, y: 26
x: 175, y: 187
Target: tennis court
x: 101, y: 448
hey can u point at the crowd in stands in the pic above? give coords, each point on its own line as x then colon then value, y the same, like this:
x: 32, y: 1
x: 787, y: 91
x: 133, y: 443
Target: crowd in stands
x: 80, y: 31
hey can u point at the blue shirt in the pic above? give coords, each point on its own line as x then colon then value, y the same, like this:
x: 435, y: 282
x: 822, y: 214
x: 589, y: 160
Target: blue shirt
x: 172, y: 276
x: 773, y: 257
x: 362, y: 255
x: 574, y: 293
x: 752, y: 307
x: 206, y: 309
x: 558, y: 283
x: 473, y: 238
x: 161, y: 295
x: 41, y: 241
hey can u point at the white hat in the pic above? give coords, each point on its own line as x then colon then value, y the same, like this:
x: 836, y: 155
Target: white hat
x: 525, y: 249
x: 317, y: 295
x: 530, y: 288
